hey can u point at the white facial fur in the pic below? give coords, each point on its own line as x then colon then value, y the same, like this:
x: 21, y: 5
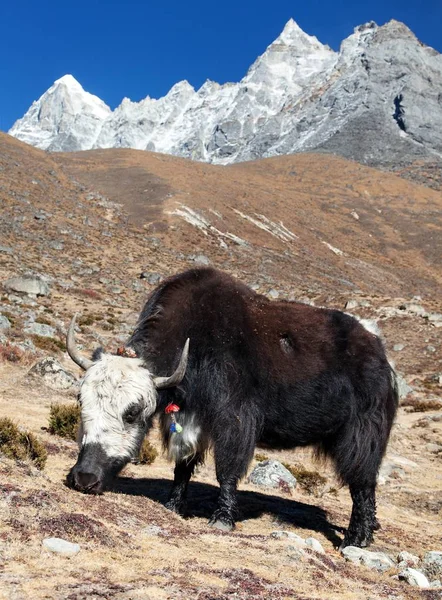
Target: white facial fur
x: 109, y: 387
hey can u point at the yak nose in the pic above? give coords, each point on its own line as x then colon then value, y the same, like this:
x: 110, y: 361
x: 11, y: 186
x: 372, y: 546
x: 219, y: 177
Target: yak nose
x: 86, y: 482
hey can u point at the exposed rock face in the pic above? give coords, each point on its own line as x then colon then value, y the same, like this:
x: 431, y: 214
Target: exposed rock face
x: 377, y: 100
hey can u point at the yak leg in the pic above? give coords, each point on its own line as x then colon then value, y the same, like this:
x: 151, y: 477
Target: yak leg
x: 363, y: 517
x: 183, y: 472
x: 233, y: 453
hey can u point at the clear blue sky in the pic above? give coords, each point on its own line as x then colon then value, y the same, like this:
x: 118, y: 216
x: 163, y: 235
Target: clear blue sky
x: 139, y: 48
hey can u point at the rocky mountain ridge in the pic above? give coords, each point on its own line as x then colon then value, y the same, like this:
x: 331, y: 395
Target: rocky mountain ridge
x: 377, y: 101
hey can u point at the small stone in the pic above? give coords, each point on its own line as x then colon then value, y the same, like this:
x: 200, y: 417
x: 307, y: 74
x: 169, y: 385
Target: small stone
x: 274, y: 294
x: 199, y: 259
x: 416, y: 309
x: 405, y: 559
x: 295, y: 553
x: 434, y: 448
x: 398, y: 347
x: 5, y: 324
x: 151, y: 278
x: 436, y: 584
x: 434, y: 317
x: 431, y: 348
x: 295, y: 539
x: 313, y: 543
x: 55, y: 245
x: 61, y: 547
x: 414, y: 577
x: 154, y: 530
x: 403, y: 388
x: 373, y: 560
x: 271, y: 473
x: 351, y: 304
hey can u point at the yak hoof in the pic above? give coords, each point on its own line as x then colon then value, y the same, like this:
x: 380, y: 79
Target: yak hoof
x: 222, y: 525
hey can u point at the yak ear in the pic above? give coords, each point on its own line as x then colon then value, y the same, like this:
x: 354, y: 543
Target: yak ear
x: 97, y: 354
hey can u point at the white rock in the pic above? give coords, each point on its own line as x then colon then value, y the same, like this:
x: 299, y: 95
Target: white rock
x: 373, y: 560
x: 405, y: 559
x: 351, y: 304
x: 28, y: 284
x: 313, y: 543
x: 271, y: 473
x: 295, y: 539
x: 61, y: 547
x: 414, y: 577
x: 5, y: 324
x: 53, y: 374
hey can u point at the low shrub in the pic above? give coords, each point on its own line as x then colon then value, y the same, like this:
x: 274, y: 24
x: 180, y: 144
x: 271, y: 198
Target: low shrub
x: 10, y: 353
x: 64, y: 420
x: 48, y: 344
x: 261, y: 457
x: 87, y: 293
x: 310, y: 481
x: 147, y: 453
x: 21, y: 445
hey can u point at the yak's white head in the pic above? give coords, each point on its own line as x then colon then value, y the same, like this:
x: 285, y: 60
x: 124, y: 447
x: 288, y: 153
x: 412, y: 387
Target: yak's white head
x: 118, y: 395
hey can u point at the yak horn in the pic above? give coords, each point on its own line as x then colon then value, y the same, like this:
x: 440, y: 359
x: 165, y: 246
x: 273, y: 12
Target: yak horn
x: 165, y: 382
x: 71, y: 347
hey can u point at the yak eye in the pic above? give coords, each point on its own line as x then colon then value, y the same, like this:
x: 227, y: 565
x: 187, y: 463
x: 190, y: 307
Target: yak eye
x: 132, y: 413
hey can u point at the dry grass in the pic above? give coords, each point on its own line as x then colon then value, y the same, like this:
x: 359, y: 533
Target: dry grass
x: 413, y: 405
x: 48, y: 344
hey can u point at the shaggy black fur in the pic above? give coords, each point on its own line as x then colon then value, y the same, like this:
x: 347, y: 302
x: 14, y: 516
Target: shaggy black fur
x: 281, y: 374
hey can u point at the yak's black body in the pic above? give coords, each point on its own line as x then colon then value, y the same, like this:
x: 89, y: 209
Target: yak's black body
x: 281, y: 374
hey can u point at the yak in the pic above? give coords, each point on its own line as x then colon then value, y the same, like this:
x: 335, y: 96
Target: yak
x: 257, y: 372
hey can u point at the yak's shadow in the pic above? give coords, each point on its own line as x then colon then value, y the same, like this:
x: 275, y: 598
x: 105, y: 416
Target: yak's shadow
x: 202, y: 497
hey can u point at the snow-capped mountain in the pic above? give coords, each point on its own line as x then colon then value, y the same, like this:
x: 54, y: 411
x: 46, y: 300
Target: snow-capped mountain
x: 378, y: 100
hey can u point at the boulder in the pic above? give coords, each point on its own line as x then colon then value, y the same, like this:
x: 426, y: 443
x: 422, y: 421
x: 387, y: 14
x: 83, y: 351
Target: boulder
x: 313, y: 544
x: 373, y: 560
x: 414, y: 577
x: 41, y: 329
x: 272, y: 474
x: 61, y: 547
x: 405, y: 559
x: 28, y: 284
x: 53, y: 374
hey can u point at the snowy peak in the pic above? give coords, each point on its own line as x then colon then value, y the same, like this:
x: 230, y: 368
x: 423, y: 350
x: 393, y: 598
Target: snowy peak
x: 62, y: 104
x: 377, y: 100
x: 292, y: 35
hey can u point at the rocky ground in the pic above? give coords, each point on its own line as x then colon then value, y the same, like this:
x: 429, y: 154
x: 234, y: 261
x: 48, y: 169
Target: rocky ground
x: 84, y: 228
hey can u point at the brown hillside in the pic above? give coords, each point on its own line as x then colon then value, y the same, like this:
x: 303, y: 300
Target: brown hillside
x: 311, y: 227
